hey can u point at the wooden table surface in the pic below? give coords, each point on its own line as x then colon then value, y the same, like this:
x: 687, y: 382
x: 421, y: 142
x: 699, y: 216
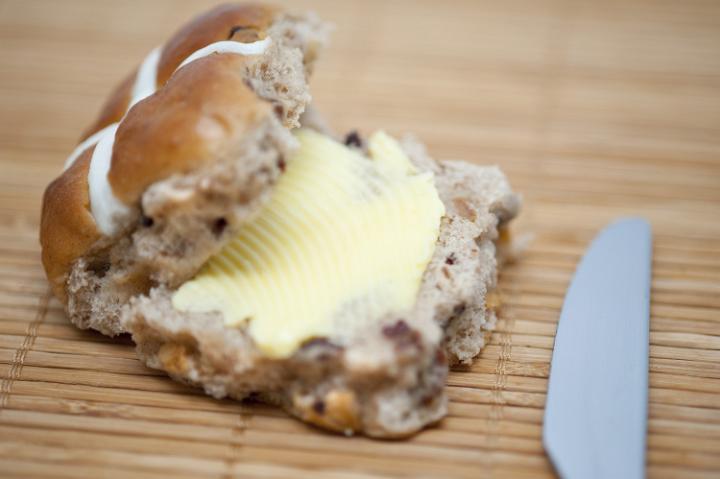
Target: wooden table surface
x: 594, y: 109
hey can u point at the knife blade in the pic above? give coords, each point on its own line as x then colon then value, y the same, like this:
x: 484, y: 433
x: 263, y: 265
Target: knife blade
x: 596, y: 412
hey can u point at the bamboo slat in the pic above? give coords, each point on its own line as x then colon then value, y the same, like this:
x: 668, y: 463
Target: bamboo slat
x: 594, y: 110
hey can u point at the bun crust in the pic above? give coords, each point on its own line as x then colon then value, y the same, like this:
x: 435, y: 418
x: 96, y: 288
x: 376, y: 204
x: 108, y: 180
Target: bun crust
x: 115, y: 106
x: 67, y: 229
x: 206, y: 112
x: 179, y: 170
x: 207, y: 122
x: 243, y: 23
x: 214, y: 25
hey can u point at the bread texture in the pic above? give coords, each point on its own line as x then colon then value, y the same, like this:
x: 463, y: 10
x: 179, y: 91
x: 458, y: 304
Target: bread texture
x: 384, y: 380
x: 192, y: 165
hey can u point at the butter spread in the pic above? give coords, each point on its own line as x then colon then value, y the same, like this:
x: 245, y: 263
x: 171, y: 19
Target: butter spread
x: 343, y: 238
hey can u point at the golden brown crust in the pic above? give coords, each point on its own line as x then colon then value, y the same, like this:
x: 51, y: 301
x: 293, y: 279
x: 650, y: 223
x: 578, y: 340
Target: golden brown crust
x: 67, y: 228
x: 114, y: 108
x: 179, y: 128
x: 243, y: 23
x: 216, y: 25
x: 337, y: 411
x: 203, y: 121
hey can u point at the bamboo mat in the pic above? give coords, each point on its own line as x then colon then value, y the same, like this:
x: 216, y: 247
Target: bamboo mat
x: 594, y: 109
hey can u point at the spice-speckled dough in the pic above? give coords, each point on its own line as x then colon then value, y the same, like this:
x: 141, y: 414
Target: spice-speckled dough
x: 191, y: 166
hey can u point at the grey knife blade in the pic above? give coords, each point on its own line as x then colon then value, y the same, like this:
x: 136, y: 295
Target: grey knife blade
x: 596, y: 413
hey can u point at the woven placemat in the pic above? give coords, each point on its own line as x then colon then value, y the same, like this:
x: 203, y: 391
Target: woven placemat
x: 594, y: 110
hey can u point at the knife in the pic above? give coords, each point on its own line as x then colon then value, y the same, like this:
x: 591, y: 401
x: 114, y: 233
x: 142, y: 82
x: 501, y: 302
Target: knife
x: 596, y: 412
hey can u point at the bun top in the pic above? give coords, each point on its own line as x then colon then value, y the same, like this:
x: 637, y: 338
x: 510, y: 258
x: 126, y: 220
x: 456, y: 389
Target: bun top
x: 245, y: 23
x: 189, y: 104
